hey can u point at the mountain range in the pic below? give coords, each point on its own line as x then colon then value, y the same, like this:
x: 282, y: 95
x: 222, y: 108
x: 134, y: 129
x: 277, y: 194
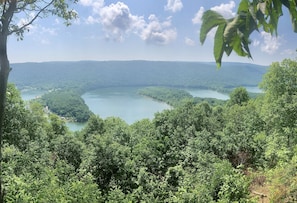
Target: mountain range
x: 87, y: 75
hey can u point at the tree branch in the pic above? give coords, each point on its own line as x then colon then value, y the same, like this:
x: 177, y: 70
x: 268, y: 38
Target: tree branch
x: 33, y: 19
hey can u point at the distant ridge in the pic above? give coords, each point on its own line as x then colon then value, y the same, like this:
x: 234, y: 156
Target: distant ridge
x: 95, y: 74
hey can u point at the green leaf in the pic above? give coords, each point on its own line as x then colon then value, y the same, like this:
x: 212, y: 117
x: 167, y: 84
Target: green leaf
x: 293, y: 13
x: 237, y: 47
x: 251, y: 25
x: 243, y: 6
x: 228, y: 49
x: 210, y: 19
x: 275, y: 12
x: 278, y: 7
x: 261, y: 7
x: 219, y: 44
x: 247, y: 49
x: 231, y: 28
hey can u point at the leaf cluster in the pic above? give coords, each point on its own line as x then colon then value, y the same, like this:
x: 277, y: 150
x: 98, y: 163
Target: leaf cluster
x: 234, y: 34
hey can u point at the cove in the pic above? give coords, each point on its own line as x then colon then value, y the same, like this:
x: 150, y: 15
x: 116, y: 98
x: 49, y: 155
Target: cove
x: 122, y: 102
x: 29, y: 94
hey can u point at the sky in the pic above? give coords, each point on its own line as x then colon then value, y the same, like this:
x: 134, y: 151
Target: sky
x: 158, y: 30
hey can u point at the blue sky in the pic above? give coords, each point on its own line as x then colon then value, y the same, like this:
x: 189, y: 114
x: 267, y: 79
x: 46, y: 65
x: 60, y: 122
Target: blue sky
x: 166, y: 30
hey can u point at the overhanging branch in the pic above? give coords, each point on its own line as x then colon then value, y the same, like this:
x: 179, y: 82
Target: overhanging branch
x: 32, y: 20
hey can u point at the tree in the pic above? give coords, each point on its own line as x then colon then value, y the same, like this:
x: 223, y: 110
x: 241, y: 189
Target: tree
x: 234, y: 34
x: 10, y: 11
x: 280, y: 85
x: 239, y: 96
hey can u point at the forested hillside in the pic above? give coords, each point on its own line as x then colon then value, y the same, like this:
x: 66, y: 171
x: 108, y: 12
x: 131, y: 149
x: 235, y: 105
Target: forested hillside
x: 240, y: 151
x: 88, y: 75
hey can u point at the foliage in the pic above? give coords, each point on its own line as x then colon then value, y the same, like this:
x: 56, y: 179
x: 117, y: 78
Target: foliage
x: 234, y: 34
x: 11, y: 12
x: 195, y: 152
x: 67, y: 104
x: 239, y: 96
x: 234, y: 188
x: 280, y: 85
x: 21, y: 125
x: 175, y: 96
x: 171, y: 96
x: 282, y: 180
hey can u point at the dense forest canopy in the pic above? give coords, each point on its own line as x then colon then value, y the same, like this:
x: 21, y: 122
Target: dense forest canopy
x: 67, y: 104
x: 240, y: 151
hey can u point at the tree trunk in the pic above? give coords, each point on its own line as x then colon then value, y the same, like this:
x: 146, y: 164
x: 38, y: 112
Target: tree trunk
x: 4, y: 72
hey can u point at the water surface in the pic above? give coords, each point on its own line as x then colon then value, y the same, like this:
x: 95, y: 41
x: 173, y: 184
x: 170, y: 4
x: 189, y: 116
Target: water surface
x: 123, y: 102
x: 203, y: 93
x: 253, y: 89
x: 29, y: 94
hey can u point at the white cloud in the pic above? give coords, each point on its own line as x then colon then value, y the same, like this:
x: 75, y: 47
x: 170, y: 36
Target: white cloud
x: 198, y: 16
x: 225, y: 10
x: 91, y: 20
x: 86, y: 2
x: 117, y: 20
x: 157, y: 32
x: 270, y: 44
x: 95, y: 4
x: 189, y: 42
x: 92, y: 2
x: 174, y: 5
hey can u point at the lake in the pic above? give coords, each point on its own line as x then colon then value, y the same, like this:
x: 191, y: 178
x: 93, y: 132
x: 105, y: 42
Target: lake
x: 124, y: 102
x: 203, y: 93
x: 253, y: 89
x: 29, y: 94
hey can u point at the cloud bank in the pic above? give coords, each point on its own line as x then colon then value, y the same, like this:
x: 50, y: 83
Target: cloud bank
x: 157, y: 32
x: 117, y: 22
x: 270, y: 44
